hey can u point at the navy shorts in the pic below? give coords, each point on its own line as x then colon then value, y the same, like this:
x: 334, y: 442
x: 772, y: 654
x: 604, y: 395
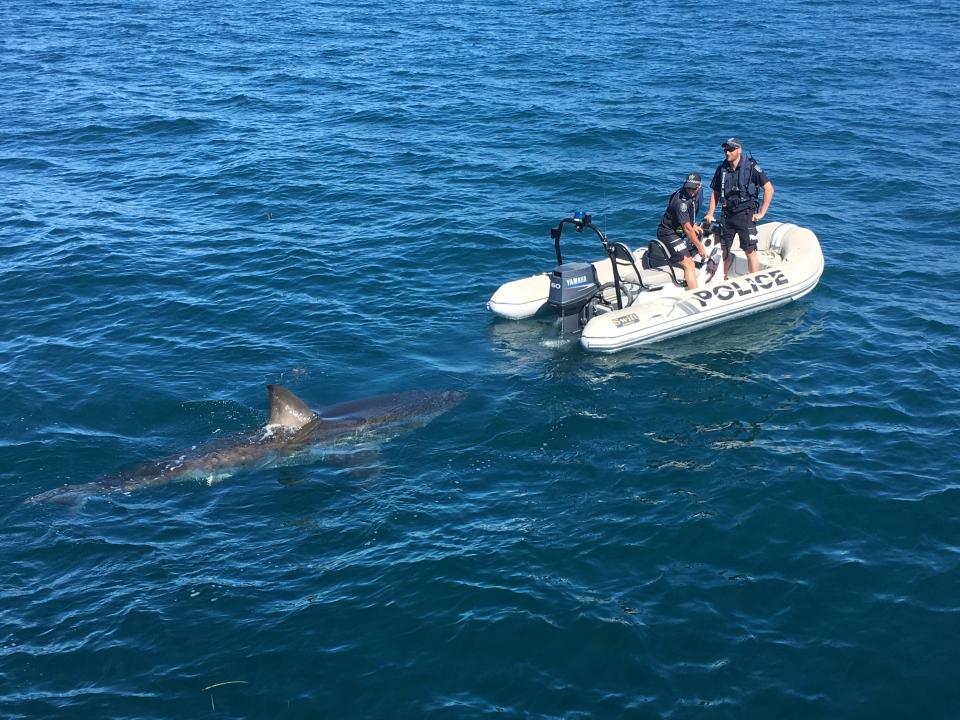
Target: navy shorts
x: 676, y: 245
x: 742, y: 224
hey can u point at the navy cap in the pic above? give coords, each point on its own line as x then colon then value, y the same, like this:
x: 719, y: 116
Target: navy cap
x: 692, y: 181
x: 731, y: 143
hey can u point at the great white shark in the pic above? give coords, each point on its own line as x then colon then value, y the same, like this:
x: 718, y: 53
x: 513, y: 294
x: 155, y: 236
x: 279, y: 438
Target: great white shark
x: 294, y: 435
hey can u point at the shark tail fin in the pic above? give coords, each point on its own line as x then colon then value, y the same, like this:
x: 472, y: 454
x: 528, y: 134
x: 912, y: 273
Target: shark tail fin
x: 286, y: 409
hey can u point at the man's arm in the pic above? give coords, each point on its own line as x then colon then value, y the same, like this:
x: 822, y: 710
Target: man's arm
x: 712, y: 206
x: 767, y: 197
x: 691, y: 232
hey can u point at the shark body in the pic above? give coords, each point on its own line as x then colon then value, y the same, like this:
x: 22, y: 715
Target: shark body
x: 294, y: 435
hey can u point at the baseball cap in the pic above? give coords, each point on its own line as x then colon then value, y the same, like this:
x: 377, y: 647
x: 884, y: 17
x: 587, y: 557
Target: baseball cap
x: 731, y: 143
x: 692, y: 181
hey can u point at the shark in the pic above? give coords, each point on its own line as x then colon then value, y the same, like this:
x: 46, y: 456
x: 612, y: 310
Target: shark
x: 293, y: 435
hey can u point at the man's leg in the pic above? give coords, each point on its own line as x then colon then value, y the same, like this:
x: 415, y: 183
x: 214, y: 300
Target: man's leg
x: 689, y: 272
x: 748, y: 241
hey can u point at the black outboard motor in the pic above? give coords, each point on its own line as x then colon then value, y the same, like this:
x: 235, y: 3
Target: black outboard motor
x: 572, y: 287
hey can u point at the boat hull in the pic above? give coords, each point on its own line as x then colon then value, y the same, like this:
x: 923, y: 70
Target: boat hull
x: 791, y: 264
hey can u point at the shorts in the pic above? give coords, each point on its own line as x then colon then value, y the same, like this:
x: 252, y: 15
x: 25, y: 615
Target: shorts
x: 676, y: 245
x: 742, y: 224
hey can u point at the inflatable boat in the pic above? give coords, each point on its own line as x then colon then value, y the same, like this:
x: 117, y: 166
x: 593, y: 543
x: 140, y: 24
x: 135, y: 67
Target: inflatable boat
x: 635, y: 297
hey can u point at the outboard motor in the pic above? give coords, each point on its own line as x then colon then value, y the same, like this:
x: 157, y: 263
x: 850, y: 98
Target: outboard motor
x: 572, y: 287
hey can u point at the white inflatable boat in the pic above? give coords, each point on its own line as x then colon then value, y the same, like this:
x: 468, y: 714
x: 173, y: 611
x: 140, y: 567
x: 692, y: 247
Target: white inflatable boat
x: 632, y: 298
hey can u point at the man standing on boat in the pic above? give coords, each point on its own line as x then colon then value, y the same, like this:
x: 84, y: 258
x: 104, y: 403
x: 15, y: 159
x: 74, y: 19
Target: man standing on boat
x: 736, y: 187
x: 678, y: 221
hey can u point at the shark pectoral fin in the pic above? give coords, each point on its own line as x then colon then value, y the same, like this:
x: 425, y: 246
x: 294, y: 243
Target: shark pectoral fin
x: 359, y: 463
x: 286, y: 409
x: 291, y: 476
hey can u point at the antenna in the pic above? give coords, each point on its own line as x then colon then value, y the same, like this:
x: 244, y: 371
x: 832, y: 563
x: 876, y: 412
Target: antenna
x: 603, y: 184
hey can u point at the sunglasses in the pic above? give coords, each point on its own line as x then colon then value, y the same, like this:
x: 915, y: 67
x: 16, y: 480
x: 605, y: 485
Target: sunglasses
x: 730, y: 149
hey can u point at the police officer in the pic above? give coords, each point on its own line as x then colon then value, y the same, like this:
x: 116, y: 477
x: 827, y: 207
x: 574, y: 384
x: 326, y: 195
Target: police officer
x: 736, y: 187
x: 678, y: 221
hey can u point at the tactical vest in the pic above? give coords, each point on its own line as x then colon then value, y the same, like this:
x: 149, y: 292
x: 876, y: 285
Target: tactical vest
x: 738, y: 189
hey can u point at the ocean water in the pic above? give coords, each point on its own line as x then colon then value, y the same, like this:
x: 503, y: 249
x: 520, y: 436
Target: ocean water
x: 761, y: 520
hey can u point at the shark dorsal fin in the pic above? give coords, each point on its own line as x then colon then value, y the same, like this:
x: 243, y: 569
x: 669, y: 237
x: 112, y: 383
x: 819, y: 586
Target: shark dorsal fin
x: 286, y: 409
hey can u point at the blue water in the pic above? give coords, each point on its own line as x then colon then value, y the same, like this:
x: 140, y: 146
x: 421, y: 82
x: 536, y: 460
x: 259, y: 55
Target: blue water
x: 756, y: 521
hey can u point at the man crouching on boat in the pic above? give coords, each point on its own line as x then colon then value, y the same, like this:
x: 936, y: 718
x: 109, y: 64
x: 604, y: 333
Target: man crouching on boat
x: 678, y: 221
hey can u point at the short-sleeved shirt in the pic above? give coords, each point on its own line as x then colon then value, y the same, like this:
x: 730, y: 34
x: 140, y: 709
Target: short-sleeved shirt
x: 681, y: 209
x: 757, y: 175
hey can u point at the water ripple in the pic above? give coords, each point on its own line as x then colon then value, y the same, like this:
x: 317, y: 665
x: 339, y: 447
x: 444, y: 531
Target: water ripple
x: 756, y: 520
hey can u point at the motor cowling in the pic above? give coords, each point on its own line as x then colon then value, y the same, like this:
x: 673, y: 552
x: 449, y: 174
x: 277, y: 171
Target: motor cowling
x: 572, y: 287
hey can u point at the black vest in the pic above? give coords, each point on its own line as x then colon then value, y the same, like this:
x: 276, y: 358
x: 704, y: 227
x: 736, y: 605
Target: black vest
x: 670, y: 220
x: 738, y: 189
